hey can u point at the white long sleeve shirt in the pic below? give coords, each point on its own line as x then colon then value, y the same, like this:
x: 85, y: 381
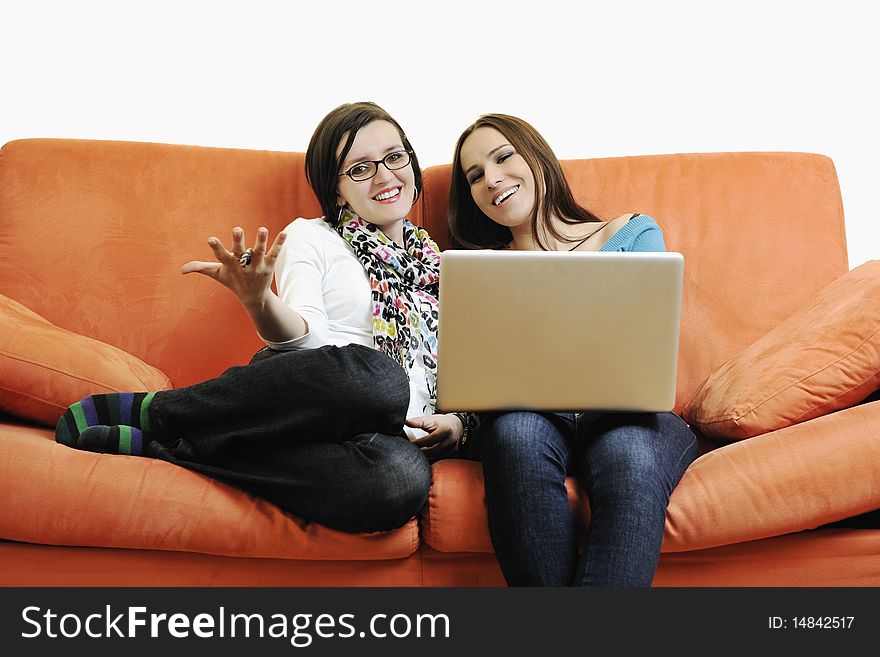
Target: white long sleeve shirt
x: 318, y: 275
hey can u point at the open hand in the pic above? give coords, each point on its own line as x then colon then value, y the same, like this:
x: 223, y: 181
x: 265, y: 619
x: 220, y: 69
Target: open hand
x: 250, y: 283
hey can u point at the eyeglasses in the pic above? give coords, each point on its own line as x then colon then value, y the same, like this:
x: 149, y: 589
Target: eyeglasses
x: 369, y: 168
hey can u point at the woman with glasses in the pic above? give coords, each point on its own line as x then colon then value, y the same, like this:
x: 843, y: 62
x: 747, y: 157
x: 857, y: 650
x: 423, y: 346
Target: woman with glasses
x: 316, y: 421
x: 508, y: 190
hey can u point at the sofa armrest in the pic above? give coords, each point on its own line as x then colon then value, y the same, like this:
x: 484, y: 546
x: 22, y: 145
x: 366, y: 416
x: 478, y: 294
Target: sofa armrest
x: 790, y: 480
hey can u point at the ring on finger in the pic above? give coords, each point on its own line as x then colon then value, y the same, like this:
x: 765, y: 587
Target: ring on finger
x: 246, y: 257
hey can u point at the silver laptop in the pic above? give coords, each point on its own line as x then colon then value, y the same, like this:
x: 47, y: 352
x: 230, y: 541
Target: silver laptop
x: 558, y: 330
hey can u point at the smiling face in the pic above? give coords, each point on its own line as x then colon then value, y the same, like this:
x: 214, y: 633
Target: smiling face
x: 386, y: 198
x: 501, y: 182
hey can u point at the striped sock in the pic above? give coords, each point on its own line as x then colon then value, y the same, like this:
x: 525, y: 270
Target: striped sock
x: 118, y: 439
x: 118, y: 408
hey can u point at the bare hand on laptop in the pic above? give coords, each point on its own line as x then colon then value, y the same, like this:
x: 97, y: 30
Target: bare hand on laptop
x: 444, y: 432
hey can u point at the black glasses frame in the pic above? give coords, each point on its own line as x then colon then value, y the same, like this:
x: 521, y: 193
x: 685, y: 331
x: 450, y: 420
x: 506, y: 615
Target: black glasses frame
x: 376, y: 164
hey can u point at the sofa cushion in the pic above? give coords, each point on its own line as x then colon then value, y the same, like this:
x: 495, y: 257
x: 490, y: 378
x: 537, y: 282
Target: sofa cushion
x: 823, y: 358
x: 56, y: 495
x: 44, y: 369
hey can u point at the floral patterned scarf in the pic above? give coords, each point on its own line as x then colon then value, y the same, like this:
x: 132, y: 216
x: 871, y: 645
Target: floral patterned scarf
x: 405, y: 283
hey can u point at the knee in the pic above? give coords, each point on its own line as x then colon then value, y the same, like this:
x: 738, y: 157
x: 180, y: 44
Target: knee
x: 675, y: 447
x: 400, y: 487
x: 406, y: 481
x: 385, y: 387
x: 643, y: 456
x: 515, y: 433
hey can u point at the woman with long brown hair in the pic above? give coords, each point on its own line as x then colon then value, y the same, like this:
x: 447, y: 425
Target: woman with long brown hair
x: 508, y: 190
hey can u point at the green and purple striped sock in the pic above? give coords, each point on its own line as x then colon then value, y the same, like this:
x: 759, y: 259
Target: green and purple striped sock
x: 118, y: 439
x: 118, y: 408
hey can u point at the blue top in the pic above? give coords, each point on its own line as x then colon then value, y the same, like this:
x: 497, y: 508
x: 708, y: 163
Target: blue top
x: 641, y: 233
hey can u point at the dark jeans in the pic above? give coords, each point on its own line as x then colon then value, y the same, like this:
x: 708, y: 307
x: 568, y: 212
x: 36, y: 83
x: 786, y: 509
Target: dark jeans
x: 628, y: 463
x: 318, y: 432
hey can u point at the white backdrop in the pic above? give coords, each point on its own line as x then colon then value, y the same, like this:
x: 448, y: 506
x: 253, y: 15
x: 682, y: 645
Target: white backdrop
x: 597, y: 79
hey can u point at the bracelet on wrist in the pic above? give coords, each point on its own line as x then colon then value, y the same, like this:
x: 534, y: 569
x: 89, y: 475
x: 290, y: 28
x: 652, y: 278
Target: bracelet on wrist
x: 465, y: 429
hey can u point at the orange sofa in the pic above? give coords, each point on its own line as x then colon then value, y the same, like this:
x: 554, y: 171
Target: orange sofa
x: 93, y: 235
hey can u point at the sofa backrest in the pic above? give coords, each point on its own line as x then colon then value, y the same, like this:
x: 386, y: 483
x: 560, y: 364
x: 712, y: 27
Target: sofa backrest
x: 95, y: 232
x: 93, y: 235
x: 760, y: 233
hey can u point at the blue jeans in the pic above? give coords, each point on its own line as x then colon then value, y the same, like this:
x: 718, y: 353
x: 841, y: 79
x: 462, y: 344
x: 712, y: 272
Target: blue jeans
x: 318, y: 432
x: 629, y: 463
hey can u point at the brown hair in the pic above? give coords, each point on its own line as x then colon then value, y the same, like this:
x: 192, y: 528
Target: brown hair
x: 322, y: 164
x: 553, y: 197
